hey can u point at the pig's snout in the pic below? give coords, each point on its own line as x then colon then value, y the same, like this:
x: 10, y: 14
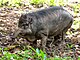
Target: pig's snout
x: 22, y: 32
x: 16, y: 33
x: 26, y: 31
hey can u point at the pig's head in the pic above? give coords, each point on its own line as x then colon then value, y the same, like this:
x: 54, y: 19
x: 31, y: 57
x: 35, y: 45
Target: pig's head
x: 24, y: 24
x: 24, y: 27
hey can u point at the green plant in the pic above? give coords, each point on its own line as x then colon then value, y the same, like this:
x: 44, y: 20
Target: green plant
x: 52, y: 2
x: 3, y: 2
x: 76, y: 24
x: 20, y: 55
x: 24, y: 55
x: 69, y: 46
x: 35, y: 54
x: 79, y: 58
x: 39, y: 54
x: 61, y: 2
x: 16, y: 3
x: 9, y: 56
x: 37, y: 2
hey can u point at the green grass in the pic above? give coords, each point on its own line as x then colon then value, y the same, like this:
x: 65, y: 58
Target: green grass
x: 16, y: 3
x: 23, y: 55
x: 37, y: 2
x: 48, y: 2
x: 31, y: 53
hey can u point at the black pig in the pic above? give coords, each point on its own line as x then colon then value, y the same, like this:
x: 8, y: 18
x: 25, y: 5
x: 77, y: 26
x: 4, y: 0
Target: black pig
x: 44, y: 23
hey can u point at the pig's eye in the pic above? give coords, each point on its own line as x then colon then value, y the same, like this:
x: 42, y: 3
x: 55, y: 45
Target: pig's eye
x: 24, y: 26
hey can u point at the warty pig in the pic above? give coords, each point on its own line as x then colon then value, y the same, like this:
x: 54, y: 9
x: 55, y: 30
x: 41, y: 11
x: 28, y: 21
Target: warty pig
x: 44, y: 23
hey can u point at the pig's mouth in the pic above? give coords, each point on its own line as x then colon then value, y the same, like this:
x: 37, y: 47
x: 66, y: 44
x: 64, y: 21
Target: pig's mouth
x: 26, y: 33
x: 22, y: 32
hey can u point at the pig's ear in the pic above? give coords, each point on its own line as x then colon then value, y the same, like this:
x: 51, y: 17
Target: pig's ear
x: 24, y: 16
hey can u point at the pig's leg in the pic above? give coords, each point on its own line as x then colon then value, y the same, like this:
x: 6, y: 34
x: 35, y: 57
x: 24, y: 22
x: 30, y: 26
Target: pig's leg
x: 44, y: 41
x: 52, y: 40
x: 50, y: 46
x: 38, y: 43
x: 62, y: 39
x: 63, y: 36
x: 44, y: 37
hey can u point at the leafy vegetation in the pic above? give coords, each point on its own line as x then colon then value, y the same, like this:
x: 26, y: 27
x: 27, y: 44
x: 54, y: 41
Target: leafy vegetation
x: 48, y: 2
x: 16, y: 3
x: 37, y: 2
x: 24, y: 55
x: 30, y: 54
x: 76, y: 24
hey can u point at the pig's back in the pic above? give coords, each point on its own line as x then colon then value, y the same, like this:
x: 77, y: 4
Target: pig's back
x: 54, y: 20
